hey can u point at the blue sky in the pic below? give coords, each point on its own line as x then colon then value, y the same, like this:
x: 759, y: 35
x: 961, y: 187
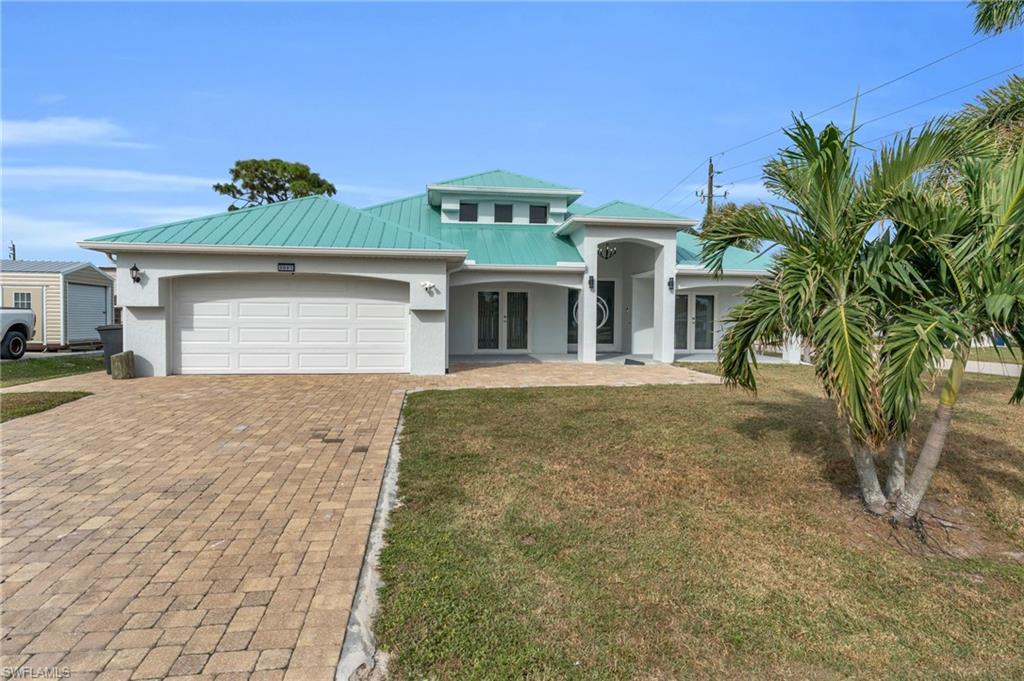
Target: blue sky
x: 121, y: 115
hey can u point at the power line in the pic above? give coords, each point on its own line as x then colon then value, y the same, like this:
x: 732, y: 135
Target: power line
x: 868, y: 91
x: 893, y: 113
x: 825, y: 110
x: 943, y: 94
x: 676, y: 185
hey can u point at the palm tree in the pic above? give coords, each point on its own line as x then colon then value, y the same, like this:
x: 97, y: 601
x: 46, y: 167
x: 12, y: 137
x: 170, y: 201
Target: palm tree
x: 967, y: 248
x: 995, y: 16
x: 834, y: 282
x: 882, y: 274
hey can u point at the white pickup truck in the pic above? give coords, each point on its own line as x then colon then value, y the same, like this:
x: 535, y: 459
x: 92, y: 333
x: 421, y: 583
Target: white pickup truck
x: 18, y: 326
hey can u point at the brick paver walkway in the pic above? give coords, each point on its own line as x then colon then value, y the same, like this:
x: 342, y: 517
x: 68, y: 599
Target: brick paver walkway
x: 207, y: 526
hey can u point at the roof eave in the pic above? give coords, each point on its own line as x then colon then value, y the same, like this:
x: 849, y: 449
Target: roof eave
x: 577, y: 221
x: 404, y: 253
x: 687, y: 269
x: 434, y: 189
x: 557, y: 267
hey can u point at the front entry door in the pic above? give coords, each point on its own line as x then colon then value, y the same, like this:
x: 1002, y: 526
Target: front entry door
x: 502, y: 321
x: 606, y: 340
x: 704, y: 322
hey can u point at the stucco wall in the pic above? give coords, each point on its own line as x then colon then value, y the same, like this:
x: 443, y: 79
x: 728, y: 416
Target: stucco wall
x: 725, y: 299
x: 146, y: 304
x: 548, y: 316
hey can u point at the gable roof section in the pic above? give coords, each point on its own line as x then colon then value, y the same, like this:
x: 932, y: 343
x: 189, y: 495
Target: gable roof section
x: 488, y: 244
x: 314, y: 222
x: 736, y: 259
x: 43, y: 266
x: 626, y: 210
x: 503, y: 179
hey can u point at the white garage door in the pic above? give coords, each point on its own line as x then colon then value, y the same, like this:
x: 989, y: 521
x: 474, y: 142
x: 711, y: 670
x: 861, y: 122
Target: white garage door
x: 289, y: 324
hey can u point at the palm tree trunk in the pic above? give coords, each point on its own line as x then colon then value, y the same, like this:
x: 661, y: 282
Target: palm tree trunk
x: 870, y: 489
x: 910, y: 501
x: 897, y: 468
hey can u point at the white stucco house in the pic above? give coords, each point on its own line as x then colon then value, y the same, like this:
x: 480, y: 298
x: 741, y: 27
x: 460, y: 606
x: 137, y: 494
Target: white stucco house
x: 488, y: 265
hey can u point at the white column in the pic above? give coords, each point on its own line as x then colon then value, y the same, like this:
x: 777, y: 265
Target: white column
x: 587, y: 334
x: 791, y: 351
x: 664, y: 305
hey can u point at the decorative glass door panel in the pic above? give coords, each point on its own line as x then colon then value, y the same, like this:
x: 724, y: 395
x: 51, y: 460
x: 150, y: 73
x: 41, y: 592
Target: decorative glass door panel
x: 682, y: 320
x: 605, y: 315
x: 488, y: 326
x: 516, y: 320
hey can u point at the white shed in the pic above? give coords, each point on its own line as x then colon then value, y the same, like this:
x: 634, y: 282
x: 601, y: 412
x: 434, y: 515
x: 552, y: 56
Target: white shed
x: 70, y: 299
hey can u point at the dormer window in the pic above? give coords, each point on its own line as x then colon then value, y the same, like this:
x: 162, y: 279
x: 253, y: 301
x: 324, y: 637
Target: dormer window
x: 503, y: 212
x: 538, y: 215
x: 468, y: 212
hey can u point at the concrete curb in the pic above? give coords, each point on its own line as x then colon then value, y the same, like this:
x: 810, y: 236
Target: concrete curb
x: 360, y: 645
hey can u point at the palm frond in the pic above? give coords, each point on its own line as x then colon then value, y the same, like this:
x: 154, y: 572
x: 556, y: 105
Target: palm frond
x: 845, y: 363
x: 913, y: 346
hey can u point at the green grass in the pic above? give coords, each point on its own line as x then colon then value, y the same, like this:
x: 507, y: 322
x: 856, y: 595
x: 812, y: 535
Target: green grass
x: 30, y: 370
x: 687, y: 531
x: 16, y: 405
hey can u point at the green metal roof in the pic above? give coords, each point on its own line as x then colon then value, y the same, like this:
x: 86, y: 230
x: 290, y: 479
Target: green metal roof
x: 688, y: 255
x: 488, y: 244
x: 309, y: 222
x: 624, y: 209
x: 505, y: 180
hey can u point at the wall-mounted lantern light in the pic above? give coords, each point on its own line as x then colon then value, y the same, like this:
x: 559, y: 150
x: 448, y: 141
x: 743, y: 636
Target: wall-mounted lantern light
x: 590, y: 282
x: 136, y: 273
x: 671, y: 283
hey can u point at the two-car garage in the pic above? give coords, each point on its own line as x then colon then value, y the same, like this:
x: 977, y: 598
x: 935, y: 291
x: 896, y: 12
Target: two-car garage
x: 274, y: 323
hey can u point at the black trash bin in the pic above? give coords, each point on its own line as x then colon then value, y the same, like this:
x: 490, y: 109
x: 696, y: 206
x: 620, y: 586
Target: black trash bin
x: 113, y: 342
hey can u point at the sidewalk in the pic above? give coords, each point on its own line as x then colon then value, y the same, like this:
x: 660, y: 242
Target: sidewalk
x: 991, y: 368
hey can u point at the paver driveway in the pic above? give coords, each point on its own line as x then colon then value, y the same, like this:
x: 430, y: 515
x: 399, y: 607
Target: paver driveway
x: 207, y: 526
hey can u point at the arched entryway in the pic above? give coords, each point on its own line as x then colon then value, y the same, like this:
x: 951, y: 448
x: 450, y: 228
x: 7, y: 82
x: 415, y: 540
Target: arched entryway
x: 625, y: 293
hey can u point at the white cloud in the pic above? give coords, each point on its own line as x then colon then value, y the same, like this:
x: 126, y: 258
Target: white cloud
x: 40, y: 233
x: 99, y: 179
x: 67, y: 130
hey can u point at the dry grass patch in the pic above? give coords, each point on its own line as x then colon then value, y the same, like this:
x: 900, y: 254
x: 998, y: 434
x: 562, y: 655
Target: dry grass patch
x: 679, y: 531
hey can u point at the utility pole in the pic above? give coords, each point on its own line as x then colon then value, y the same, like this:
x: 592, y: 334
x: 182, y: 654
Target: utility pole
x: 709, y: 195
x: 13, y: 251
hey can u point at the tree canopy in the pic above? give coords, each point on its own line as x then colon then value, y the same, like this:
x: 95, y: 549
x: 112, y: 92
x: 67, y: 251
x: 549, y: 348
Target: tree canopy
x: 256, y: 181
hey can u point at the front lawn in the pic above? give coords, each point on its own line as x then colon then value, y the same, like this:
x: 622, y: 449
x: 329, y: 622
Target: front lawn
x: 692, y: 531
x: 15, y: 405
x: 29, y: 370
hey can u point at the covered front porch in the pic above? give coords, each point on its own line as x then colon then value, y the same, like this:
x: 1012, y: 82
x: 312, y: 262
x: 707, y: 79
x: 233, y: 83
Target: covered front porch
x: 695, y: 357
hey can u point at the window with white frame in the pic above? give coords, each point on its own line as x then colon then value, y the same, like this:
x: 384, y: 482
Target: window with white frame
x: 23, y: 300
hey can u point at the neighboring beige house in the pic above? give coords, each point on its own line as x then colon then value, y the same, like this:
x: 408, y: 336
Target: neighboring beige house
x: 70, y: 300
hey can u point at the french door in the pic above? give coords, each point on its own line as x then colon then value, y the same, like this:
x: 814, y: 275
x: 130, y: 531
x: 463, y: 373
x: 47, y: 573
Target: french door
x: 502, y: 321
x: 704, y: 322
x: 701, y: 324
